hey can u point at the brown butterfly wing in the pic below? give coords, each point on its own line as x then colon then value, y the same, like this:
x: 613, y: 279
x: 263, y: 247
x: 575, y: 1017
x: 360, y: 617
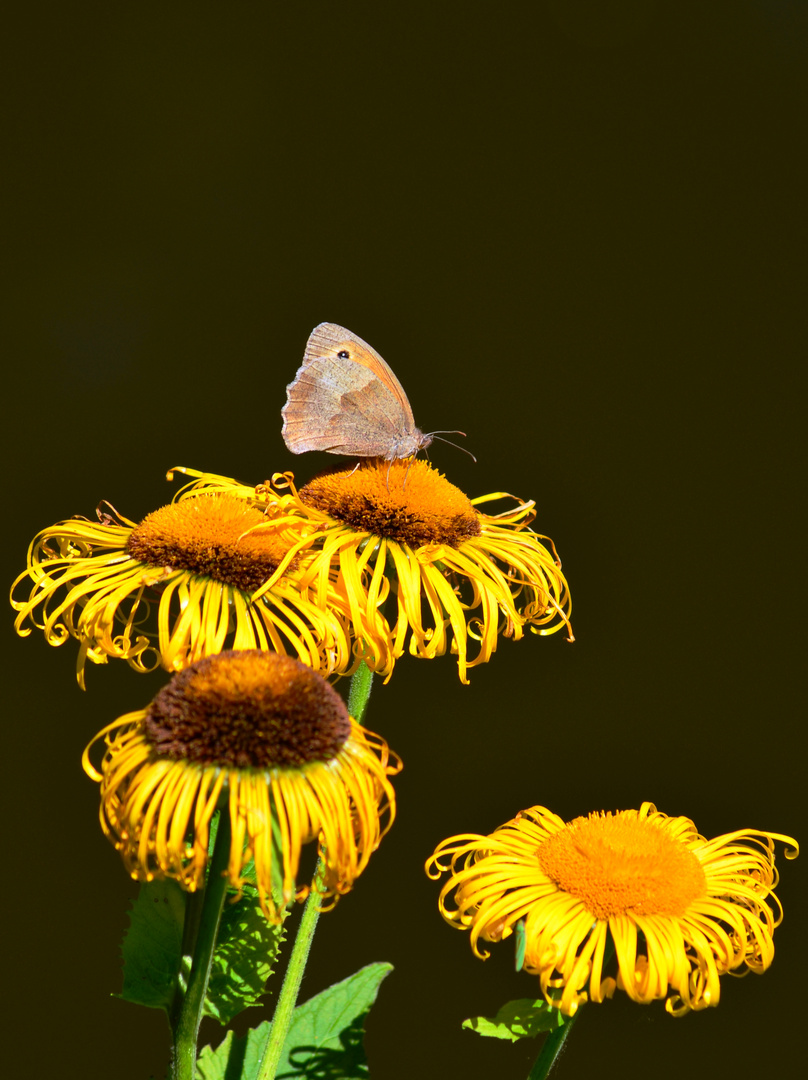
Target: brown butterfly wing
x: 342, y: 408
x: 329, y: 339
x: 347, y: 404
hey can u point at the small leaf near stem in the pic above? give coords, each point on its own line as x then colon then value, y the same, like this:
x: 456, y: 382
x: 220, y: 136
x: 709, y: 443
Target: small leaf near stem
x: 359, y: 692
x: 520, y: 937
x: 524, y: 1018
x: 183, y: 1065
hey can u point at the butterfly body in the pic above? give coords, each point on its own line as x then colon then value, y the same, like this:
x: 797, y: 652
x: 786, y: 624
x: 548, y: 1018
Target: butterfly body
x: 345, y: 399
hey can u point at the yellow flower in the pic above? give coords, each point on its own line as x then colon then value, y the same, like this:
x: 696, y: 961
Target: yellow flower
x: 420, y: 566
x: 271, y: 742
x: 678, y: 910
x: 198, y: 563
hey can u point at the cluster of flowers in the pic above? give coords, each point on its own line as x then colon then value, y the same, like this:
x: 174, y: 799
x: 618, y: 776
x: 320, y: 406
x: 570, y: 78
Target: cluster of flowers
x: 258, y: 599
x: 255, y: 597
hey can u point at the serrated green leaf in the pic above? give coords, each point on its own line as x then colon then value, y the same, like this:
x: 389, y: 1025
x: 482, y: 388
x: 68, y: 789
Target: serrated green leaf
x: 246, y: 947
x: 325, y: 1037
x: 520, y: 1019
x: 152, y: 946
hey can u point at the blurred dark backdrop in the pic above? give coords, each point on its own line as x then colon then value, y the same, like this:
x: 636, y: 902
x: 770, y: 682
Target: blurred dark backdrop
x: 576, y: 231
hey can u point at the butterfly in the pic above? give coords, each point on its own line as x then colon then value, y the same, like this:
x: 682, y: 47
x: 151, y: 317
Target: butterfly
x: 345, y: 399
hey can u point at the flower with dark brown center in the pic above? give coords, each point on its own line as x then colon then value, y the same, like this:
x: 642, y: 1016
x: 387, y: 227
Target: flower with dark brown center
x: 271, y: 742
x: 420, y: 566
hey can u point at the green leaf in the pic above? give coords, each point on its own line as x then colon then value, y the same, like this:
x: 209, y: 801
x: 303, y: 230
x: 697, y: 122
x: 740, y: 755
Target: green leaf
x: 326, y: 1034
x: 521, y: 1019
x: 246, y: 948
x: 234, y: 1059
x: 324, y: 1040
x: 520, y: 936
x: 152, y: 946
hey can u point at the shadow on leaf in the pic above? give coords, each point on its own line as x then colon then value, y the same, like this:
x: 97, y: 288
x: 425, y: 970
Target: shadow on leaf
x: 319, y: 1063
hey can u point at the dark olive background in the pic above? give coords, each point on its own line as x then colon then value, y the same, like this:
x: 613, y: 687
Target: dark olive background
x: 578, y: 237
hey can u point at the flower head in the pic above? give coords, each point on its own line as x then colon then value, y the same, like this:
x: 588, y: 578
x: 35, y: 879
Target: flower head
x: 421, y: 567
x: 678, y: 910
x: 268, y: 740
x: 197, y: 561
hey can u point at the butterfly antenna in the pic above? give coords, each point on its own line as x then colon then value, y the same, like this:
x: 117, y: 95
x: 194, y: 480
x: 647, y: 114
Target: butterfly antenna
x: 437, y: 435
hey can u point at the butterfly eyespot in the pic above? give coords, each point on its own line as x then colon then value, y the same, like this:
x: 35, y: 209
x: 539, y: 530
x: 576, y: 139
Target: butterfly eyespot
x: 345, y: 400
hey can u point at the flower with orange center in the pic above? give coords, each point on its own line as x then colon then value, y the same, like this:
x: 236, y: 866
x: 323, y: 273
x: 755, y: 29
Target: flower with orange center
x: 270, y: 742
x: 420, y: 565
x: 678, y: 910
x: 198, y: 561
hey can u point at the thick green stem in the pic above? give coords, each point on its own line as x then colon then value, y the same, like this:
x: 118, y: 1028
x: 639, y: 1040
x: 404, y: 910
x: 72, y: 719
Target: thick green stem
x: 190, y: 928
x: 190, y: 1013
x: 287, y: 999
x: 553, y: 1045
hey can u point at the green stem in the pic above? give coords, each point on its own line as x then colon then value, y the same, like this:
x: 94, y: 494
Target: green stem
x: 358, y: 695
x: 287, y: 998
x: 190, y: 1013
x: 550, y: 1050
x: 190, y: 928
x: 359, y: 692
